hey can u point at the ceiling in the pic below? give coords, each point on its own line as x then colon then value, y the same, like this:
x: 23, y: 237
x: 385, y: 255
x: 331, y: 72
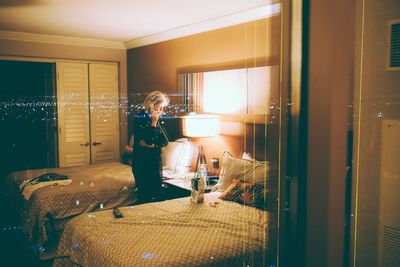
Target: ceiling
x: 126, y: 23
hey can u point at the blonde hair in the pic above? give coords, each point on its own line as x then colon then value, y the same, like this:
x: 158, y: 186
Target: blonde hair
x: 154, y: 98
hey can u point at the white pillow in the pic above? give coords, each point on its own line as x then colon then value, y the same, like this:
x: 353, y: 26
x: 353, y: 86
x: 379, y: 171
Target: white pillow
x: 245, y: 170
x: 176, y: 157
x: 246, y: 156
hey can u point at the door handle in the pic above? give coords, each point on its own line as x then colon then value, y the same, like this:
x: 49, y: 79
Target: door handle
x: 288, y: 189
x: 85, y: 144
x: 96, y: 143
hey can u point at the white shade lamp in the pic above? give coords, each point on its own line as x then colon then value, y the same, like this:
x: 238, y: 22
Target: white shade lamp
x: 199, y: 126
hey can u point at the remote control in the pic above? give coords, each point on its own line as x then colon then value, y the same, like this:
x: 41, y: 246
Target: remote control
x: 117, y: 213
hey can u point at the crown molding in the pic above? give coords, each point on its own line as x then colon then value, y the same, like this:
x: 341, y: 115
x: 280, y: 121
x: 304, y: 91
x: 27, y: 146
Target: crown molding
x: 212, y: 24
x: 60, y: 40
x: 204, y: 26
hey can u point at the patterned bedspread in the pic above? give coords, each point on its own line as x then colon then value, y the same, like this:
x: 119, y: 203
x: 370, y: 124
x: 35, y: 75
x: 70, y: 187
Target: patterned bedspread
x: 93, y: 187
x: 170, y: 233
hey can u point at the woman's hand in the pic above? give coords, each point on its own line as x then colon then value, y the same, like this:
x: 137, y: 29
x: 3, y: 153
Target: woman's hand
x: 143, y: 144
x: 155, y: 116
x: 128, y: 149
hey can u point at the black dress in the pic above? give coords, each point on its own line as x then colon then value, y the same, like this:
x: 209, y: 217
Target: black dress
x: 146, y: 161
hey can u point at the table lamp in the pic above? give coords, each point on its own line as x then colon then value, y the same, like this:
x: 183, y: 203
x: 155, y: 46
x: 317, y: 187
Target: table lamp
x: 200, y: 125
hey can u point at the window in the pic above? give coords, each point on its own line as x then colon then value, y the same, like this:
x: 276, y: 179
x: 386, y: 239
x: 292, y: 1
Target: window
x: 233, y: 91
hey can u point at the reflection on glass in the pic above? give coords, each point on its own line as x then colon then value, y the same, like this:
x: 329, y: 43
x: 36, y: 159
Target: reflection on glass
x: 220, y: 85
x: 248, y: 90
x: 247, y: 100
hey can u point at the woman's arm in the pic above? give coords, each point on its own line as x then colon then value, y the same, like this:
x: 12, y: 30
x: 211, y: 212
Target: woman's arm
x: 145, y: 133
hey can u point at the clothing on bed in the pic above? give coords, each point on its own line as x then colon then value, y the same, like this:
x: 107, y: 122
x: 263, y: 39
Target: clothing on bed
x: 251, y: 194
x: 46, y: 179
x: 29, y: 188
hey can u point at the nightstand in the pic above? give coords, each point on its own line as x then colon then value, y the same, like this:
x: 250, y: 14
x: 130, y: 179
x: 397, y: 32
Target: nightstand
x: 175, y: 188
x: 181, y: 187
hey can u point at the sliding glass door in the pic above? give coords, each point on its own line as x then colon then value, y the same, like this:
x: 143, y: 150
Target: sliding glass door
x: 27, y: 116
x: 250, y: 76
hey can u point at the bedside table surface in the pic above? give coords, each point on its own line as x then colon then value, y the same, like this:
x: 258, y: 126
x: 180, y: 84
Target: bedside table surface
x: 178, y: 182
x: 185, y: 182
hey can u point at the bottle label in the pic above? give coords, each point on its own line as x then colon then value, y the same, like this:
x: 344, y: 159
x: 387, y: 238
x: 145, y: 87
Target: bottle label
x: 197, y: 195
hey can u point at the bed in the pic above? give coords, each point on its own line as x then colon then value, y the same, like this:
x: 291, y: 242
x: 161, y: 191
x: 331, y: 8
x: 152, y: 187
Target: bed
x: 170, y: 233
x: 228, y: 229
x: 44, y: 212
x: 92, y: 187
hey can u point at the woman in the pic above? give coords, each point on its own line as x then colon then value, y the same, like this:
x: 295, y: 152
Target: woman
x: 149, y: 138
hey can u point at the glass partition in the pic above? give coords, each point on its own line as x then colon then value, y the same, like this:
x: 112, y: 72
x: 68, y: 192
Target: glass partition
x: 241, y: 74
x: 248, y: 74
x: 246, y: 97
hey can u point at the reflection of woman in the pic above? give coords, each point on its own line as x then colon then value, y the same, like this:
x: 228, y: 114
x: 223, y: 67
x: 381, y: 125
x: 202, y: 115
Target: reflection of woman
x: 149, y: 137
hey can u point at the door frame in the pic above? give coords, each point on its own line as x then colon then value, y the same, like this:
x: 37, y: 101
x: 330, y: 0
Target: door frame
x: 293, y: 126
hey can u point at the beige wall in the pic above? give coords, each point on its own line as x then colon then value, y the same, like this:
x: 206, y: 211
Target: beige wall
x: 50, y: 52
x: 379, y: 92
x: 156, y: 66
x: 331, y: 64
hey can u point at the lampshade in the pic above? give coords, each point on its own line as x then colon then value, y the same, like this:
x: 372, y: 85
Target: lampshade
x: 200, y: 125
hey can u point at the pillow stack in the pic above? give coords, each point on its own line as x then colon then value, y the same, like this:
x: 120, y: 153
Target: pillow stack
x: 248, y: 181
x: 255, y: 195
x: 246, y: 170
x: 176, y: 158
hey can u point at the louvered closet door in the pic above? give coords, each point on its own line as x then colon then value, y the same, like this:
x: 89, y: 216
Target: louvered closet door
x: 73, y: 114
x: 104, y: 123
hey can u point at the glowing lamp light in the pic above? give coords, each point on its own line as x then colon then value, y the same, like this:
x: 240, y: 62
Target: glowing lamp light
x: 200, y: 125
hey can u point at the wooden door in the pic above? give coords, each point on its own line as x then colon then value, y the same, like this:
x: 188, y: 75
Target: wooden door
x: 104, y: 122
x: 73, y: 114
